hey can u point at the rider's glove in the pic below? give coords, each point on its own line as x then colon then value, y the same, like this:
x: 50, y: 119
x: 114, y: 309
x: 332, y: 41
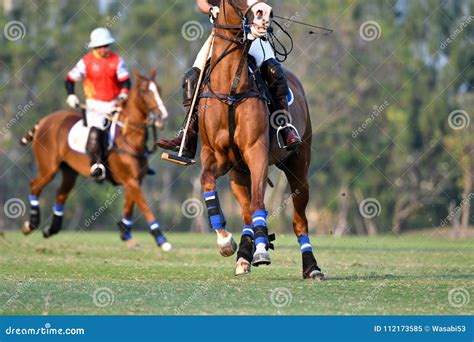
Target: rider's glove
x: 122, y: 97
x: 72, y: 101
x: 213, y: 13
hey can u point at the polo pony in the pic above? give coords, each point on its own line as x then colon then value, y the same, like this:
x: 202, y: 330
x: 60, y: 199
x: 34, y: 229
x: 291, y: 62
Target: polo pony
x: 127, y: 161
x: 237, y: 138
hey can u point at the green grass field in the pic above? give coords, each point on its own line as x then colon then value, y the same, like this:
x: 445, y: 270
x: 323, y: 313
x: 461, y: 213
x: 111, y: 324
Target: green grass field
x: 412, y: 274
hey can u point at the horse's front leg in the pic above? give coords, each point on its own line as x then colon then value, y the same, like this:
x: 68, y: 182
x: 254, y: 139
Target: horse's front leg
x: 225, y: 241
x: 256, y: 158
x: 126, y: 224
x: 133, y: 191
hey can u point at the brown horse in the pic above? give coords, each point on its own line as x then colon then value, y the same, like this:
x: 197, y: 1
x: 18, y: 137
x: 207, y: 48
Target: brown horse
x: 254, y: 149
x: 127, y: 162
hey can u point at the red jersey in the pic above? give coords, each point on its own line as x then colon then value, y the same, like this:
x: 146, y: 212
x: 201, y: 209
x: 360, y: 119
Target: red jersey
x: 101, y: 76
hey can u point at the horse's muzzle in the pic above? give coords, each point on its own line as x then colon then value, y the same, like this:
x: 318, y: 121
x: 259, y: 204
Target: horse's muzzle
x: 261, y: 19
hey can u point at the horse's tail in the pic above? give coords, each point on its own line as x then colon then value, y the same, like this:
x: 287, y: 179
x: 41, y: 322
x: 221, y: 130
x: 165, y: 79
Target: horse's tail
x: 28, y: 137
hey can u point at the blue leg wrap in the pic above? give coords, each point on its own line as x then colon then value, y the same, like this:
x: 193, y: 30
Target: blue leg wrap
x: 214, y: 212
x: 247, y: 230
x: 259, y: 219
x: 125, y: 233
x: 305, y: 244
x: 156, y: 232
x: 34, y: 202
x: 58, y: 209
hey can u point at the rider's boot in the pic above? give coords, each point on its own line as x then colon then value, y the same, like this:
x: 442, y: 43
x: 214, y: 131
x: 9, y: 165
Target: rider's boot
x: 96, y: 150
x: 190, y: 145
x: 275, y: 76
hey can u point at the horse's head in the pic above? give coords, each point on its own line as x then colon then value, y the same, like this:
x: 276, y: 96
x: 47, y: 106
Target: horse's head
x: 148, y: 99
x: 253, y: 15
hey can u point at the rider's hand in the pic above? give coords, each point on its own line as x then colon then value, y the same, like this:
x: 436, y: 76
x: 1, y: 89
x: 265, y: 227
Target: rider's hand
x: 213, y: 13
x: 122, y: 98
x: 72, y: 101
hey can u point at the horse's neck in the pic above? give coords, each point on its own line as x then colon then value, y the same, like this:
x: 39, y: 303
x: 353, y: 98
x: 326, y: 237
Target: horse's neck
x: 225, y: 71
x: 132, y: 111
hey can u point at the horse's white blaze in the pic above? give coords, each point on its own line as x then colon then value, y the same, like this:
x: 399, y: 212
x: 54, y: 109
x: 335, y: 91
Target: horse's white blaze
x: 159, y: 101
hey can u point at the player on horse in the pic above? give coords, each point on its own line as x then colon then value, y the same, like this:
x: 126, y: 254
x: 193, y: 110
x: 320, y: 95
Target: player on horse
x: 106, y: 83
x: 271, y: 70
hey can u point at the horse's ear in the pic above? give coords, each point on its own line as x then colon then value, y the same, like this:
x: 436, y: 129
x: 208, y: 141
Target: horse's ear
x: 153, y: 74
x: 137, y: 76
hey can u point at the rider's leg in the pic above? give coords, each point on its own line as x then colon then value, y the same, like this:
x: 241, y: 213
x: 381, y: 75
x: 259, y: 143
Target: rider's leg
x: 95, y: 149
x: 190, y: 145
x: 190, y: 80
x: 274, y: 75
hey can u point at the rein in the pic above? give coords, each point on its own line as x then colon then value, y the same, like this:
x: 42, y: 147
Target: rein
x: 233, y: 98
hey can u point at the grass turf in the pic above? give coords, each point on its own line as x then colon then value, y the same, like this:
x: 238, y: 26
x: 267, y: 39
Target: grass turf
x: 94, y: 273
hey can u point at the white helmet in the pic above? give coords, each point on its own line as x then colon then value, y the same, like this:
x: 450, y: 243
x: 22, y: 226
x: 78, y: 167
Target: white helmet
x: 100, y: 37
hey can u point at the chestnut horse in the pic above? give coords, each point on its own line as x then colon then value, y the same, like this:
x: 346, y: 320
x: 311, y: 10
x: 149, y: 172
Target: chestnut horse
x: 229, y: 87
x: 127, y: 163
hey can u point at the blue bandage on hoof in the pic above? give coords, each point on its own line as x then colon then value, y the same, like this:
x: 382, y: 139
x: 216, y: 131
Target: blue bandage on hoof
x: 214, y: 212
x: 305, y: 244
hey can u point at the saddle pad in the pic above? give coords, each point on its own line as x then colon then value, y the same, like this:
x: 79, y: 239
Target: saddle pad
x: 77, y: 137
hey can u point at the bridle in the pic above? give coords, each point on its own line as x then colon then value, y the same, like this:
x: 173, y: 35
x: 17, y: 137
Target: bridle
x: 149, y: 122
x: 236, y: 41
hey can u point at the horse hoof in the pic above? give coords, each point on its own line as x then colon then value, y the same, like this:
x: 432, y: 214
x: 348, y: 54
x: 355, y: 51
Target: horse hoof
x: 316, y: 275
x: 242, y: 267
x: 133, y: 244
x: 166, y: 247
x: 27, y: 229
x: 227, y: 246
x: 261, y: 258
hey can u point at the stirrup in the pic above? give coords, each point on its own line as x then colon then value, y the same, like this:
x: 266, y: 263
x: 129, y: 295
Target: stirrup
x: 102, y: 169
x: 280, y: 144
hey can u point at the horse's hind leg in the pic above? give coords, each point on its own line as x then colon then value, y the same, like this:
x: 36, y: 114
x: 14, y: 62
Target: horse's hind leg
x: 68, y: 181
x: 46, y: 171
x: 296, y: 171
x: 240, y: 185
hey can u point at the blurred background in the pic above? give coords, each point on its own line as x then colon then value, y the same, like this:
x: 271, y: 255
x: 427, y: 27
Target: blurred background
x: 391, y: 96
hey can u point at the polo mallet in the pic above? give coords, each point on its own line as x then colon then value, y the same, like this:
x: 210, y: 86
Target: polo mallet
x: 180, y: 159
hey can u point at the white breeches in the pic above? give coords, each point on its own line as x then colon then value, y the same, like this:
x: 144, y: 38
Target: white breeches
x: 260, y: 49
x: 96, y: 111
